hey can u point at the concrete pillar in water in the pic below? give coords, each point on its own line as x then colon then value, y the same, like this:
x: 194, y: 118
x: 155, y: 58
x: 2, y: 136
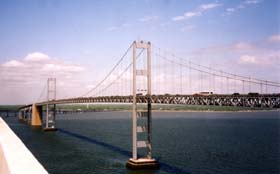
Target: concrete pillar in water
x: 36, y: 115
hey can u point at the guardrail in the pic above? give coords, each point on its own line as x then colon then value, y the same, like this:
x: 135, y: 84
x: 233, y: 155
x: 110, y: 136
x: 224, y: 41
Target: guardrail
x: 15, y: 158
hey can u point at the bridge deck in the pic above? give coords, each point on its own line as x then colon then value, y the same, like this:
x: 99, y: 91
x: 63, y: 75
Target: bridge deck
x: 264, y: 100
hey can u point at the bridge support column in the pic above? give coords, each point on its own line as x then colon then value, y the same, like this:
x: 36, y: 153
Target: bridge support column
x: 24, y: 115
x: 50, y: 118
x: 20, y: 115
x: 36, y: 115
x: 50, y: 115
x: 146, y: 162
x: 29, y: 115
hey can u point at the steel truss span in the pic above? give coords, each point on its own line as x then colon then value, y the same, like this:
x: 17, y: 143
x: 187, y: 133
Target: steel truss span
x: 260, y: 101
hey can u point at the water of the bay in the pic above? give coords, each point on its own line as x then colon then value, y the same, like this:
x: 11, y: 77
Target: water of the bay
x: 183, y: 142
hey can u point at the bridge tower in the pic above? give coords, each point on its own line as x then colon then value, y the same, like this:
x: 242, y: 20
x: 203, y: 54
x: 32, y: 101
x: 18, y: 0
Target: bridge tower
x: 146, y: 162
x: 50, y: 115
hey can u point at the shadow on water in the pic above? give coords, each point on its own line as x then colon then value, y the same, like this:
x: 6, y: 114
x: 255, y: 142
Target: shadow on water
x: 163, y: 166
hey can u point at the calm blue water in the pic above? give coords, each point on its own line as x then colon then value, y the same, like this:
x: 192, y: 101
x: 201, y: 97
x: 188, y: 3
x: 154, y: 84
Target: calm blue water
x: 196, y: 142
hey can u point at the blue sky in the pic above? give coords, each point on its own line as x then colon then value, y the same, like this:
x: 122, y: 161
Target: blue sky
x: 66, y: 28
x: 94, y: 34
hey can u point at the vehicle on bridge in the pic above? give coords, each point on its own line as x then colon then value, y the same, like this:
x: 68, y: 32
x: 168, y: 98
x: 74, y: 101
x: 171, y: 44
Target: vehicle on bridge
x: 203, y: 94
x: 235, y: 94
x: 253, y: 94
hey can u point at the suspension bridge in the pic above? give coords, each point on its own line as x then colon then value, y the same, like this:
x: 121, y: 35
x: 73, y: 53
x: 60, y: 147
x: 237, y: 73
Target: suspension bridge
x: 147, y: 75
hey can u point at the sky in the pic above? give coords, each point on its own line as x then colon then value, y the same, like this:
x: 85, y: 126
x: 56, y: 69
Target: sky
x: 78, y: 42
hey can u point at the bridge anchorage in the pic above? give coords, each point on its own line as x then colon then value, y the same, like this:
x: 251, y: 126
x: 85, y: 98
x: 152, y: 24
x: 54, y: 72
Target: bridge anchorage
x: 141, y: 120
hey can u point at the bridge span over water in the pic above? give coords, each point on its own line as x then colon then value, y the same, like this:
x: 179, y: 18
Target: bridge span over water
x: 259, y: 101
x: 168, y: 85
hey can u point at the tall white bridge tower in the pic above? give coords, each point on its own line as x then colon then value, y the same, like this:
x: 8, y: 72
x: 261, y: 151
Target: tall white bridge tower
x: 142, y: 120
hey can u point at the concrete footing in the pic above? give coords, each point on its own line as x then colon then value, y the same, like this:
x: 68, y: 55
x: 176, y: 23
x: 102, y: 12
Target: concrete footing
x: 142, y: 164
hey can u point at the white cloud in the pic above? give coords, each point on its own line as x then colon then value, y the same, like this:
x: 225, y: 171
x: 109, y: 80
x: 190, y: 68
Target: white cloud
x: 230, y: 10
x: 252, y: 1
x: 268, y: 58
x: 36, y: 57
x: 148, y: 18
x: 274, y: 38
x: 73, y: 68
x: 197, y: 12
x: 13, y: 63
x: 62, y: 67
x: 244, y: 53
x: 241, y: 6
x: 192, y: 14
x: 51, y: 67
x: 21, y: 75
x: 187, y: 15
x: 209, y: 6
x: 236, y: 48
x: 246, y: 59
x: 273, y: 57
x: 242, y: 46
x: 90, y: 86
x: 178, y: 18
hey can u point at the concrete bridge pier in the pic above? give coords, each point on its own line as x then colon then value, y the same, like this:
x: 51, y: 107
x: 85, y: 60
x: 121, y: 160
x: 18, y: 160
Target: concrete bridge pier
x: 29, y: 115
x: 22, y: 115
x: 37, y: 112
x: 25, y: 115
x: 33, y: 115
x: 50, y: 118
